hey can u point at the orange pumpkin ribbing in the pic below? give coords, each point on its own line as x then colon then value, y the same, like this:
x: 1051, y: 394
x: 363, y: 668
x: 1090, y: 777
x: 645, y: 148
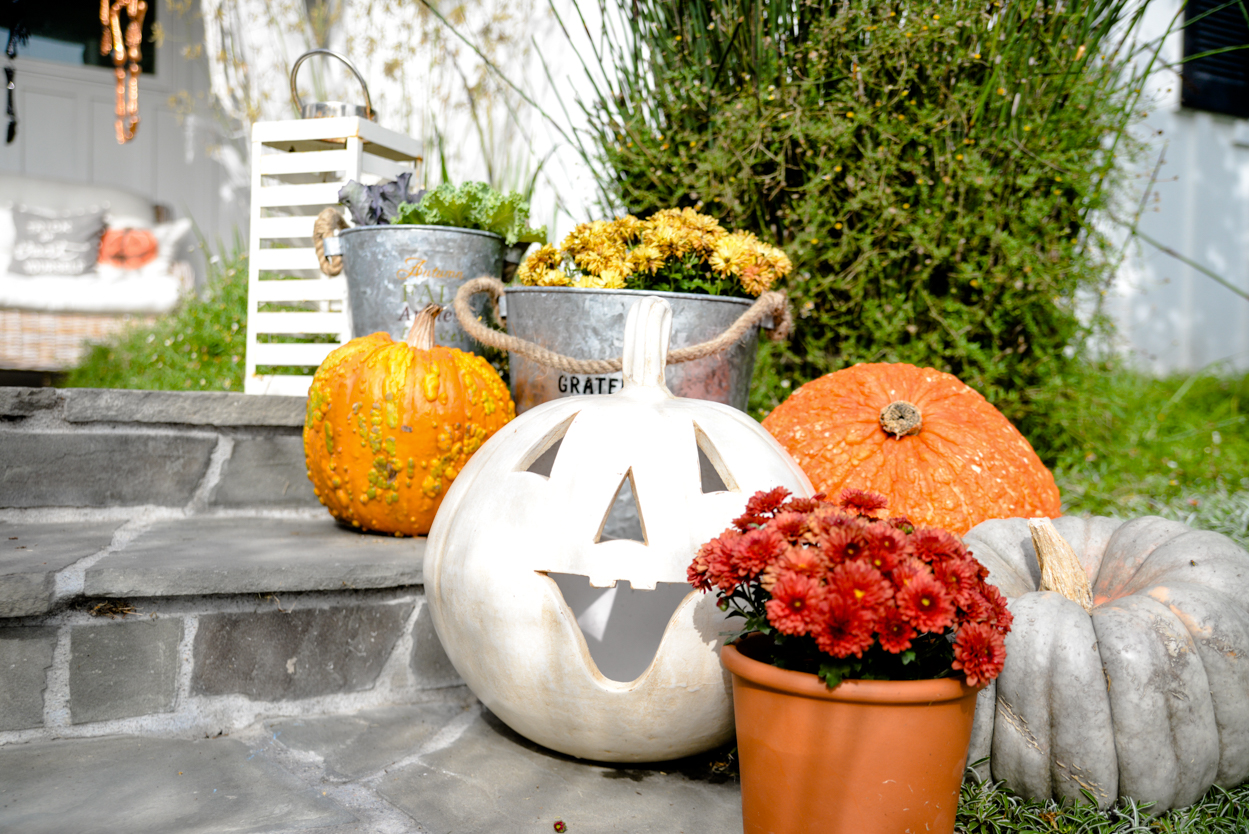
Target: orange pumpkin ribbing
x: 389, y: 427
x: 965, y: 464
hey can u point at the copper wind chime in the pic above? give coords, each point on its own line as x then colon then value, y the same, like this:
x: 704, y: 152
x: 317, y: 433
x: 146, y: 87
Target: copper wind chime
x: 126, y: 57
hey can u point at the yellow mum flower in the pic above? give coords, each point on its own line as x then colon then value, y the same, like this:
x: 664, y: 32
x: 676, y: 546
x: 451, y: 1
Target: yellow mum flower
x: 552, y: 278
x: 645, y: 258
x: 538, y: 264
x: 731, y: 254
x: 627, y: 228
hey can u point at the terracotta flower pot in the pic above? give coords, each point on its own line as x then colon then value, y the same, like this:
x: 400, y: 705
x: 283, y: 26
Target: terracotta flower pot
x: 868, y: 757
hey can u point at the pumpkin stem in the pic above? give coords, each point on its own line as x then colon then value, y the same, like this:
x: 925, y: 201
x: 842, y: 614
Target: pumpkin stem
x: 421, y: 333
x: 901, y: 419
x: 1061, y: 570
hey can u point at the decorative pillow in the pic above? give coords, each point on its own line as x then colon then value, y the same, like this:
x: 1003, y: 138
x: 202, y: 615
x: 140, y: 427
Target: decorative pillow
x: 56, y: 243
x: 128, y: 248
x: 170, y: 244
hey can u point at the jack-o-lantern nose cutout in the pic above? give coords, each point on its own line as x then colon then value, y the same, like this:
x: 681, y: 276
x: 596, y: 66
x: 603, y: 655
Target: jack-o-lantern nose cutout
x: 624, y: 516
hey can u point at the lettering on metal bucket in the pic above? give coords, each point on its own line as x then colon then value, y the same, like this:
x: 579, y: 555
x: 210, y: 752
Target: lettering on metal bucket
x: 415, y: 267
x: 577, y: 384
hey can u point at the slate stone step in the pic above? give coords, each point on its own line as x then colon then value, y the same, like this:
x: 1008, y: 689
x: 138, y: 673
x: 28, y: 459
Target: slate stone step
x: 445, y: 764
x: 205, y: 621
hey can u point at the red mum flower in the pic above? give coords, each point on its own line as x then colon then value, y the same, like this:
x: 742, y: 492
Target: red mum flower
x: 847, y: 627
x: 795, y: 607
x: 902, y: 523
x: 760, y: 507
x: 755, y: 550
x: 979, y: 652
x: 713, y: 565
x: 862, y: 583
x: 802, y: 505
x: 1001, y: 618
x: 894, y: 631
x: 930, y: 544
x: 925, y: 604
x: 959, y: 578
x: 906, y: 570
x: 843, y: 543
x: 790, y: 525
x: 885, y: 546
x: 862, y: 502
x: 808, y: 561
x: 977, y: 609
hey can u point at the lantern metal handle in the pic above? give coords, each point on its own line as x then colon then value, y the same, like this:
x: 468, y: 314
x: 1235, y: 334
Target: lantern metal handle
x: 368, y: 102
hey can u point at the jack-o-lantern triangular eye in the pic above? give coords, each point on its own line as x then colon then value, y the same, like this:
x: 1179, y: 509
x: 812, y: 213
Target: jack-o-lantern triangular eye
x: 542, y: 456
x: 624, y: 517
x: 712, y: 470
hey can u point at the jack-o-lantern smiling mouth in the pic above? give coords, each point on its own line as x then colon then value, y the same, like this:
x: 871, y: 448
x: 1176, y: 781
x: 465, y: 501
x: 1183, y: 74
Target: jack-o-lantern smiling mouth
x: 622, y: 626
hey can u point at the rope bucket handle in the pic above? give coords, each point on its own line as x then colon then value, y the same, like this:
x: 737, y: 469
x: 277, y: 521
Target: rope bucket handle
x: 328, y: 223
x: 774, y: 304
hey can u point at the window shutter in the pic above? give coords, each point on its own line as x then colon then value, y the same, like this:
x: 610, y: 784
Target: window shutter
x: 1218, y: 83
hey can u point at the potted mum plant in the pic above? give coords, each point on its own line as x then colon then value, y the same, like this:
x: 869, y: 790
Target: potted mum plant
x: 572, y: 299
x: 409, y: 249
x: 866, y: 640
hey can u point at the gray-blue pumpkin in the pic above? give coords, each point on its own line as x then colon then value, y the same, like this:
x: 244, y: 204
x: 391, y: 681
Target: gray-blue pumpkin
x: 1147, y: 694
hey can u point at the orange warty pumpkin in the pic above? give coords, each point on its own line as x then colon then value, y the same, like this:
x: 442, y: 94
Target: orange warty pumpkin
x: 390, y: 424
x: 936, y: 448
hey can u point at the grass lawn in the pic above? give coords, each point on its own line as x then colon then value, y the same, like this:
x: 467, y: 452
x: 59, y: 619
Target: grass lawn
x: 1177, y: 447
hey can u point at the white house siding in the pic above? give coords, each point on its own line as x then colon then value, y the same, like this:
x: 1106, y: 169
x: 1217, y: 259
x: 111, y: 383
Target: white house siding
x: 66, y: 131
x: 1170, y: 316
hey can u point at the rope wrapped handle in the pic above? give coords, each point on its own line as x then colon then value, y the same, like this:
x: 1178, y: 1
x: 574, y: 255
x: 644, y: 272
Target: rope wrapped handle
x: 328, y: 222
x: 774, y: 304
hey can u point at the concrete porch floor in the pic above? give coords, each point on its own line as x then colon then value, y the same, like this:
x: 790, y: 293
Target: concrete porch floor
x: 443, y: 765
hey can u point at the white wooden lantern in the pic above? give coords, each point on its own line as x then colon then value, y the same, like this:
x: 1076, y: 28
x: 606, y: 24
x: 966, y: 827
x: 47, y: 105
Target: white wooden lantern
x: 298, y: 166
x: 505, y: 533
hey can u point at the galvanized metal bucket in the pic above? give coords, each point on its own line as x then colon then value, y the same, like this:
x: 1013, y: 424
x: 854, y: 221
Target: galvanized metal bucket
x: 590, y: 324
x: 394, y: 271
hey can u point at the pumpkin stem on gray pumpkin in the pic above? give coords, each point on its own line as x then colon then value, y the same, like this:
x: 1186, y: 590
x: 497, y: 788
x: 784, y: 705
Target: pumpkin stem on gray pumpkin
x: 421, y: 333
x: 901, y: 418
x: 1061, y: 570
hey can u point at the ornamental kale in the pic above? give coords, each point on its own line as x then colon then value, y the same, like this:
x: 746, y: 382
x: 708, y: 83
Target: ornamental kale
x: 376, y: 205
x: 474, y: 205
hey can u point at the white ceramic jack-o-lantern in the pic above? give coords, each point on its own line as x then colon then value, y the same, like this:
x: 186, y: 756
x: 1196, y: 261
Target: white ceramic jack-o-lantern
x: 513, y: 545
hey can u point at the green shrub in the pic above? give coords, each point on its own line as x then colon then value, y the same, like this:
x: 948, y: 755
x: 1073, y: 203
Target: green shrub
x: 198, y: 347
x: 929, y: 167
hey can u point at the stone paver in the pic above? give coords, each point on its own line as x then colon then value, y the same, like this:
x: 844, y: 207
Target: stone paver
x: 30, y: 554
x: 280, y: 655
x: 123, y: 669
x: 364, y: 743
x: 490, y: 780
x: 429, y: 661
x: 154, y: 786
x: 265, y: 472
x: 446, y: 765
x: 196, y: 408
x: 25, y: 655
x: 23, y: 402
x: 255, y: 555
x: 77, y: 468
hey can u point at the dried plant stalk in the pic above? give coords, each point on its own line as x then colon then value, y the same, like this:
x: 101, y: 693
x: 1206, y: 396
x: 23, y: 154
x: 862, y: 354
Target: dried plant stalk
x: 1061, y: 570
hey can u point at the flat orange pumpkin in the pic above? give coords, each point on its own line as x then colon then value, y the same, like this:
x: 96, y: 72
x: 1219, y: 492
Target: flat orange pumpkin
x: 941, y: 454
x: 390, y: 425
